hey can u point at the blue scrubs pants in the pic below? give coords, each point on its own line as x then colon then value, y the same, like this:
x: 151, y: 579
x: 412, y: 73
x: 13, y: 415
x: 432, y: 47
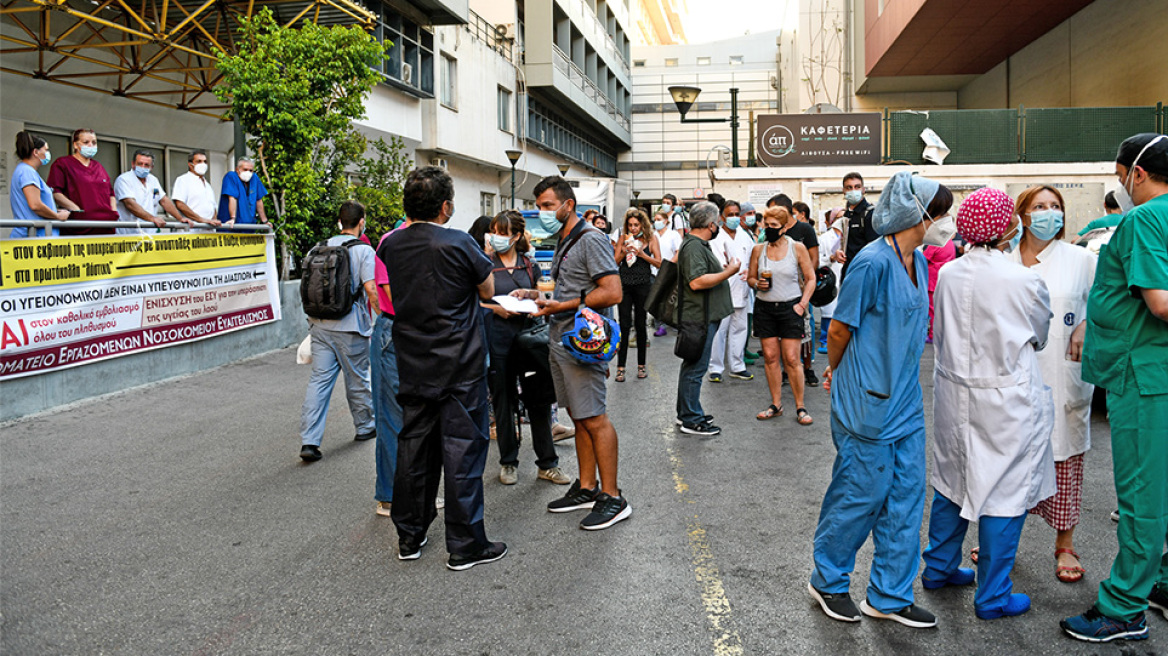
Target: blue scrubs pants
x: 877, y: 488
x: 997, y: 545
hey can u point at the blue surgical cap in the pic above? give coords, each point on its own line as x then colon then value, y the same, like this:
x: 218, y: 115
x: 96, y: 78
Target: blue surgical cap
x: 745, y: 207
x: 902, y: 203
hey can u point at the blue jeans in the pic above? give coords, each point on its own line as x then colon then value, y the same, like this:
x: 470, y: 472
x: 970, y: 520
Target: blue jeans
x: 334, y: 352
x: 383, y: 367
x: 689, y: 382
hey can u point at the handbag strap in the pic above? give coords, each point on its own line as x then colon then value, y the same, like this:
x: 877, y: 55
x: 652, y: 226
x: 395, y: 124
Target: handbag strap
x: 681, y: 296
x: 560, y: 255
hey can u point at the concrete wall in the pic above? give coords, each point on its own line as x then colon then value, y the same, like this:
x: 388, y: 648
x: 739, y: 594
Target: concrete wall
x: 24, y: 396
x: 1111, y: 53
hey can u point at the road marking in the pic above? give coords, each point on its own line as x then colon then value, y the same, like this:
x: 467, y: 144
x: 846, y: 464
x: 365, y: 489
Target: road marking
x: 709, y: 577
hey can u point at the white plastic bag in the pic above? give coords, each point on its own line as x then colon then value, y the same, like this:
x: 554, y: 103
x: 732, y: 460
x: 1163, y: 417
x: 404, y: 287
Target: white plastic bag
x: 935, y: 149
x: 304, y: 351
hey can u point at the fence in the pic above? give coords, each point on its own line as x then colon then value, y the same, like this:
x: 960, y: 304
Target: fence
x: 999, y: 136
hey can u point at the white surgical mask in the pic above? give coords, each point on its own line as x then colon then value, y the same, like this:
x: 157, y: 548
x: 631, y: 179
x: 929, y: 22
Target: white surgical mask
x: 201, y: 168
x: 854, y: 196
x: 245, y: 176
x: 1123, y: 194
x: 658, y: 225
x: 942, y: 230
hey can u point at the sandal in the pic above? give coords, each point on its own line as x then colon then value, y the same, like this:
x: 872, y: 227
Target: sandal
x: 641, y: 372
x: 620, y: 374
x: 1072, y: 574
x: 803, y: 417
x: 973, y: 555
x: 772, y: 410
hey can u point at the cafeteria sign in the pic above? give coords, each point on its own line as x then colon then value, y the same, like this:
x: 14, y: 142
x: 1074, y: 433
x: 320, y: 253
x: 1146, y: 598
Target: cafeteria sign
x: 818, y: 139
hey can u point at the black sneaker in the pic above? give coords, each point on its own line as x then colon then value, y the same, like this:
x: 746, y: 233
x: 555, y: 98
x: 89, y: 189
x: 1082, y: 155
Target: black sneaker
x: 1158, y: 599
x: 715, y: 378
x: 911, y: 615
x: 705, y: 418
x: 406, y: 551
x: 810, y: 378
x: 1094, y: 626
x: 310, y: 453
x: 361, y: 437
x: 836, y: 606
x: 607, y: 511
x: 742, y: 375
x: 489, y: 554
x: 705, y: 428
x: 576, y: 498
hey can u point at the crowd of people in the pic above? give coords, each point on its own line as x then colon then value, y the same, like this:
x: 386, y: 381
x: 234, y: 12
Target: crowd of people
x: 448, y: 329
x: 78, y: 188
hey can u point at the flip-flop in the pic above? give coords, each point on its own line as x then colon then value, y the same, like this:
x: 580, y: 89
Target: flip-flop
x: 770, y: 412
x: 973, y: 555
x: 802, y: 416
x: 1072, y: 574
x: 641, y: 373
x: 620, y: 375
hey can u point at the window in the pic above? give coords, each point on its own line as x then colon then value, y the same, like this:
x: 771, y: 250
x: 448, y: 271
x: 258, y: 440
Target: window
x: 410, y: 64
x: 504, y: 110
x: 449, y: 95
x: 638, y: 63
x: 487, y: 203
x: 703, y: 61
x: 735, y: 60
x: 671, y: 61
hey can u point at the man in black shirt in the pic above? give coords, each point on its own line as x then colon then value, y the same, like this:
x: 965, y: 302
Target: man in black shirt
x: 804, y: 234
x: 437, y: 277
x: 859, y: 228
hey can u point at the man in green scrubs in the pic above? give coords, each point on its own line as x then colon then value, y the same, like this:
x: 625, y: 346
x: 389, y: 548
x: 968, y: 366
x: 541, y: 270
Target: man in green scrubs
x: 1111, y: 219
x: 1126, y: 352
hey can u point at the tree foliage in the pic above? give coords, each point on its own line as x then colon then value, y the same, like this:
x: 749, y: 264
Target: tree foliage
x: 296, y: 93
x: 382, y: 177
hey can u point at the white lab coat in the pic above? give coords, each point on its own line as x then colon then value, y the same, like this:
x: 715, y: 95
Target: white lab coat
x: 1068, y: 272
x: 739, y: 246
x: 992, y: 413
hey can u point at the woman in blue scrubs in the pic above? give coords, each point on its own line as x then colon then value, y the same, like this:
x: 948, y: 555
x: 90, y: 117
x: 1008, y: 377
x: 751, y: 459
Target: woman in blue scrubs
x: 875, y: 342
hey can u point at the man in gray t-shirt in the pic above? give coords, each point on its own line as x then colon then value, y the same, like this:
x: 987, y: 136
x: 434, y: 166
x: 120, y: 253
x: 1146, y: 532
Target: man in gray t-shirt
x: 342, y: 345
x: 584, y: 268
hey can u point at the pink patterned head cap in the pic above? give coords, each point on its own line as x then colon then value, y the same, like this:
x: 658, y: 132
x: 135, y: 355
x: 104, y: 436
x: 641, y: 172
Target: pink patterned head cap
x: 984, y: 215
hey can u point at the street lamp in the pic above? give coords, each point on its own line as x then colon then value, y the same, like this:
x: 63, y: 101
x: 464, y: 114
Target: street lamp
x: 563, y: 169
x: 685, y: 97
x: 514, y: 156
x: 636, y: 197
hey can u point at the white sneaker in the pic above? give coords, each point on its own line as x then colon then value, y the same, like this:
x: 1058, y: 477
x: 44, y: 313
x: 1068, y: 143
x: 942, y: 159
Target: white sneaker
x: 383, y: 508
x: 508, y: 475
x: 562, y: 432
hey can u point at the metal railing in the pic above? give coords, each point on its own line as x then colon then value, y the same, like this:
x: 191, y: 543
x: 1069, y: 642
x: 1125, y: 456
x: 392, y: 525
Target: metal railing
x: 485, y: 32
x: 585, y: 84
x: 143, y: 226
x: 588, y: 19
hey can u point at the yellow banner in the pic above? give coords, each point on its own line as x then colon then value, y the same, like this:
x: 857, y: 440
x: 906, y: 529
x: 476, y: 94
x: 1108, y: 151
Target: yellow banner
x: 39, y: 262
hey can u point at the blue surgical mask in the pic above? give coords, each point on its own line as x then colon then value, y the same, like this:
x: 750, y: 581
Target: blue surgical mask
x: 88, y: 152
x: 749, y: 220
x: 854, y: 196
x: 141, y: 172
x: 46, y: 158
x: 658, y: 225
x: 732, y: 222
x: 550, y: 222
x: 1045, y: 224
x: 1012, y: 245
x: 501, y: 243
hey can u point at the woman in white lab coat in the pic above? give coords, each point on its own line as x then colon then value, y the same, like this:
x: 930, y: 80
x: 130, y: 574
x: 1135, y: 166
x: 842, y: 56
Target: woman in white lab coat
x: 992, y: 413
x: 1068, y: 272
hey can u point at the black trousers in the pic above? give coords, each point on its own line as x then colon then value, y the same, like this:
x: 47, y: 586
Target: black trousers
x: 632, y: 312
x: 451, y: 435
x: 512, y: 367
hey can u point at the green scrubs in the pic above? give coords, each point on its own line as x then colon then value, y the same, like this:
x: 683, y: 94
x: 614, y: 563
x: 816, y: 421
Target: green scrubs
x: 1103, y: 222
x: 1126, y: 352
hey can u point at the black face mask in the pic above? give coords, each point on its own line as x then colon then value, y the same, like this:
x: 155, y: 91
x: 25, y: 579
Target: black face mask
x: 773, y: 234
x: 714, y: 230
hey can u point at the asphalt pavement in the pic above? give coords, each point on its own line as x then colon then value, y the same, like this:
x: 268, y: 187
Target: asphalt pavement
x: 177, y: 519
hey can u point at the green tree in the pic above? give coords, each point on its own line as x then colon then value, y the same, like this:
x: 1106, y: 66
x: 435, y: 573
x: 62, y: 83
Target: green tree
x: 382, y: 176
x: 296, y: 93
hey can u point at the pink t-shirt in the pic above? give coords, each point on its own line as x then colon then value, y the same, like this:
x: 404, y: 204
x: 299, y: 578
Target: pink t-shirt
x: 381, y: 275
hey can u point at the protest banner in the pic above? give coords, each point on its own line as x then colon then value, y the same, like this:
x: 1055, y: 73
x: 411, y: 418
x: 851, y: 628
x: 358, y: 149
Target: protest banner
x: 67, y: 302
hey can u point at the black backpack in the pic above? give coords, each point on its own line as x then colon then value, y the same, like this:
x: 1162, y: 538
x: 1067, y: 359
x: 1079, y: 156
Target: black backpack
x: 327, y: 288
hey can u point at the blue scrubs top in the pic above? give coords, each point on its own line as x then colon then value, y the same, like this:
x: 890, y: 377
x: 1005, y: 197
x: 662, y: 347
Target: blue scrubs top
x: 876, y: 390
x: 245, y: 195
x: 26, y: 176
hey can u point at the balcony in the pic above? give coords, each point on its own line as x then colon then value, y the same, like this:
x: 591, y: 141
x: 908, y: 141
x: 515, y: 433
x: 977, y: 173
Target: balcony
x: 595, y: 31
x: 581, y: 81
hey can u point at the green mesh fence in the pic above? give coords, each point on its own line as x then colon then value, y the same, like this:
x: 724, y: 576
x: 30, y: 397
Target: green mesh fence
x: 1082, y: 134
x: 974, y: 136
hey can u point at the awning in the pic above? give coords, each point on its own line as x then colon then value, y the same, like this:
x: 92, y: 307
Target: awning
x: 154, y: 51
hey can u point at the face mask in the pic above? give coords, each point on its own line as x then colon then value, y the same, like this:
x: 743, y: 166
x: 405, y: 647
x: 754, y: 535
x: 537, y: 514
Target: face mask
x: 666, y: 207
x: 88, y: 152
x: 854, y: 196
x: 46, y: 158
x: 501, y: 243
x: 201, y: 168
x: 732, y: 222
x: 749, y: 220
x: 658, y: 225
x: 1045, y: 224
x: 245, y: 176
x: 141, y: 172
x: 714, y: 230
x: 773, y: 234
x: 942, y: 230
x: 1012, y: 245
x: 1123, y: 194
x: 549, y: 223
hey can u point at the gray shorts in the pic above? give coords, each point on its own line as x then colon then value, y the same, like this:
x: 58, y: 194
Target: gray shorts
x: 580, y: 387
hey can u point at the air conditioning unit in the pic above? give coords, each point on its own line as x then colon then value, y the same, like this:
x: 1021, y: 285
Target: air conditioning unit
x: 440, y: 163
x: 505, y: 31
x: 407, y: 73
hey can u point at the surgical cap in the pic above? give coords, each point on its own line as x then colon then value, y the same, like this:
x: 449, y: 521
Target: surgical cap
x: 746, y: 207
x: 902, y: 203
x: 984, y: 215
x: 1153, y: 160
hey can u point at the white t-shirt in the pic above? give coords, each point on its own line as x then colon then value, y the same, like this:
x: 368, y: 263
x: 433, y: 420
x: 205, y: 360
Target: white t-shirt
x: 668, y: 241
x: 148, y: 195
x: 197, y: 193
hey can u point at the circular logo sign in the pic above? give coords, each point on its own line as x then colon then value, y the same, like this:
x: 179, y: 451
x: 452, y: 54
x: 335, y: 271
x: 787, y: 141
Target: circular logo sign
x: 1069, y: 318
x: 778, y: 142
x: 699, y: 193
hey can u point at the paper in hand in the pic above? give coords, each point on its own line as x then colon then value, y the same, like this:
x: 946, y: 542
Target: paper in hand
x: 517, y: 305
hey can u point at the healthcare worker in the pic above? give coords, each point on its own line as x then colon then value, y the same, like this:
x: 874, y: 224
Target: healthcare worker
x: 1126, y: 353
x: 992, y: 414
x: 875, y: 343
x: 1068, y: 272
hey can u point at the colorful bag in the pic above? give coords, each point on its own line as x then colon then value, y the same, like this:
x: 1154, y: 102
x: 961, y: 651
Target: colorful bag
x: 593, y: 337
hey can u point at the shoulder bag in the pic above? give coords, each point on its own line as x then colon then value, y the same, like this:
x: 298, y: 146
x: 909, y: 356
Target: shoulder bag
x: 691, y: 335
